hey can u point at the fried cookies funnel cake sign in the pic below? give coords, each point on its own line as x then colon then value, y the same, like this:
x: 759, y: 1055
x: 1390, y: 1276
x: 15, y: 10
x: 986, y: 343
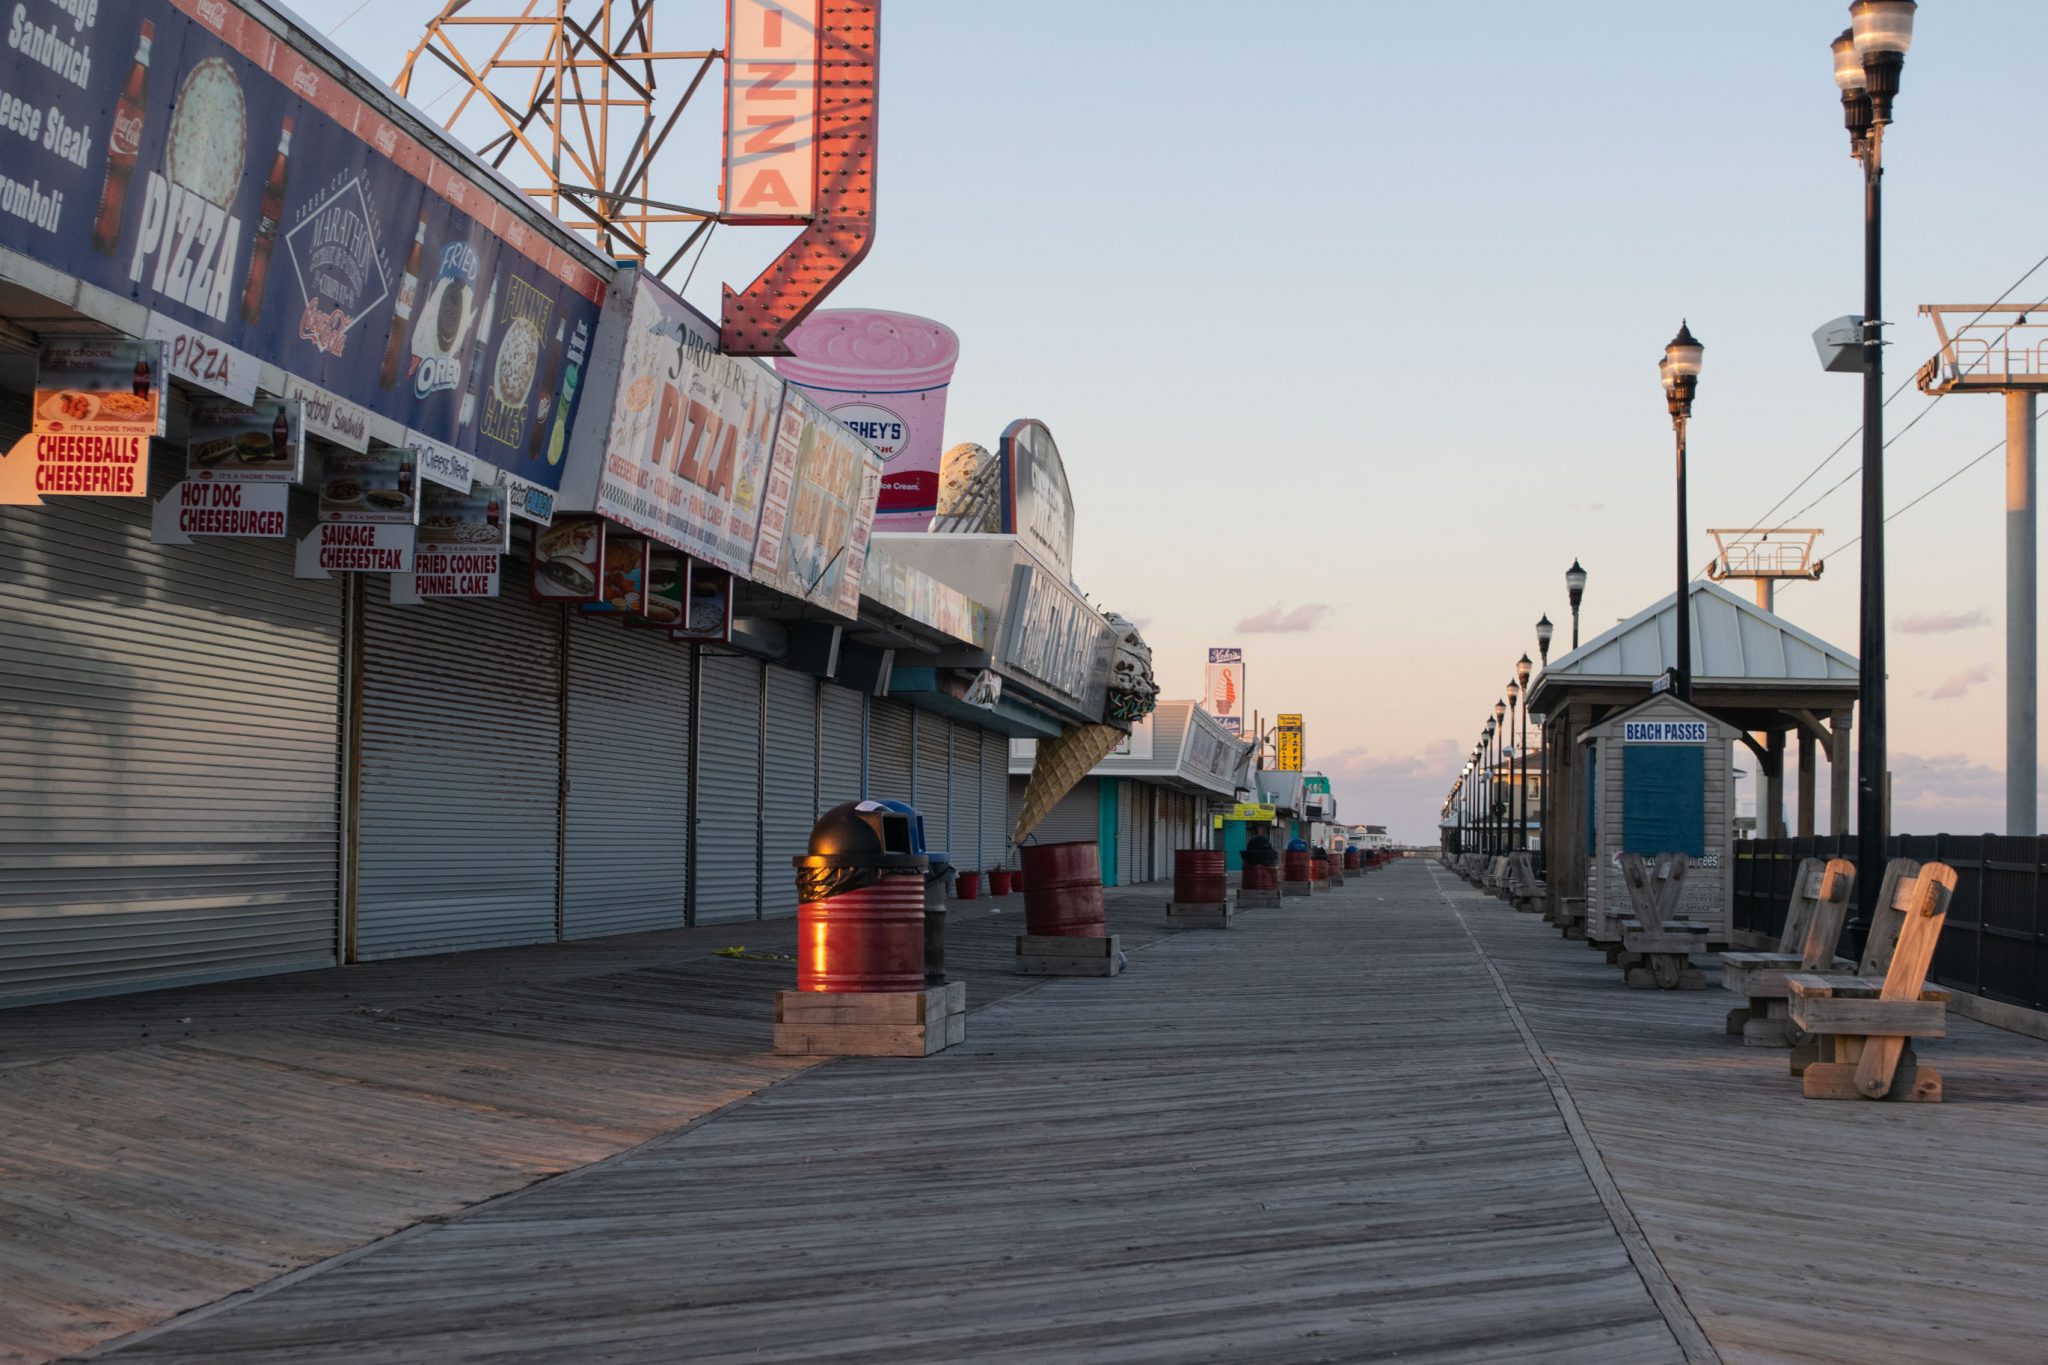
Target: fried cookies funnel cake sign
x: 97, y: 404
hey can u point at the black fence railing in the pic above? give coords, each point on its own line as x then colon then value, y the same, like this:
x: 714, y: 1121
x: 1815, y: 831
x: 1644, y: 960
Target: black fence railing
x: 1993, y: 944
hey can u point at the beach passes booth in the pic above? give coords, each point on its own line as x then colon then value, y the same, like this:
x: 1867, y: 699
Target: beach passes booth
x: 1659, y: 783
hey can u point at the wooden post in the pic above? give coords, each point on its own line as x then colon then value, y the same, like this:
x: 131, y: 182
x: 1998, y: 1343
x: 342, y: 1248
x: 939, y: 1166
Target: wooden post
x: 1839, y: 772
x: 1773, y: 823
x: 1807, y: 756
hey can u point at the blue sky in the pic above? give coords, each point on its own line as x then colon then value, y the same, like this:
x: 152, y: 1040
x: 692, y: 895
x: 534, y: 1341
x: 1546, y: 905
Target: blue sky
x: 1359, y: 305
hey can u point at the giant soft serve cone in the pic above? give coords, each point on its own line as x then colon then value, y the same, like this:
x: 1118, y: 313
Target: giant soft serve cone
x: 1059, y: 767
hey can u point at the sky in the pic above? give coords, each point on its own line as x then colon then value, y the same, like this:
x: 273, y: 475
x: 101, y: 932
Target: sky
x: 1346, y: 315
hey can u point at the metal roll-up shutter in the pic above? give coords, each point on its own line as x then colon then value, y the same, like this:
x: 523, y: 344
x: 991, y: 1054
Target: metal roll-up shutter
x: 790, y: 784
x: 1130, y: 858
x: 995, y: 798
x: 728, y: 810
x: 459, y: 826
x: 964, y: 798
x: 890, y: 746
x: 626, y: 827
x: 1076, y: 817
x: 928, y: 786
x: 841, y: 739
x: 169, y: 751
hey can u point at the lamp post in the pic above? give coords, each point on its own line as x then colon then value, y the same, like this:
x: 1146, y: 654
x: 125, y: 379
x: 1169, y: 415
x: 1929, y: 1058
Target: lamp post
x: 1522, y: 671
x: 1868, y: 58
x: 1516, y: 765
x: 1680, y: 370
x: 1486, y: 789
x: 1500, y: 746
x: 1544, y: 630
x: 1575, y: 588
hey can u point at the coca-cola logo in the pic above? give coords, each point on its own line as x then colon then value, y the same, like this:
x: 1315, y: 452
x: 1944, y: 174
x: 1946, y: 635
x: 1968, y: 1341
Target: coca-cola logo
x: 387, y: 140
x: 327, y: 330
x: 213, y: 14
x: 126, y: 139
x: 306, y: 81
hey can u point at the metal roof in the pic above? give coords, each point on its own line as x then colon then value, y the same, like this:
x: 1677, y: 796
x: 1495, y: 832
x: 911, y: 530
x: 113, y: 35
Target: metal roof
x: 1733, y: 641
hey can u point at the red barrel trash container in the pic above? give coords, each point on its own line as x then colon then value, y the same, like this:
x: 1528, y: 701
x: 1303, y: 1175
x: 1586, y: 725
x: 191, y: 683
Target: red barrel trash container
x: 860, y: 903
x: 1198, y: 876
x: 1296, y: 865
x: 1352, y: 862
x: 1063, y: 890
x: 1259, y: 877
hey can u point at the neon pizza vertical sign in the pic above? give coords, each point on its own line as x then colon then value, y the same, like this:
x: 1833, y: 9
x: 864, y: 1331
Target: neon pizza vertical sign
x: 771, y: 111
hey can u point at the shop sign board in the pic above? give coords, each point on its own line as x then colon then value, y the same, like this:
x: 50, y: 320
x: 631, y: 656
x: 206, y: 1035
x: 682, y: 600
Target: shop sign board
x: 622, y: 585
x: 97, y: 402
x: 1206, y: 754
x: 368, y: 487
x: 568, y: 560
x: 234, y: 442
x: 771, y: 111
x: 923, y: 598
x: 668, y: 589
x: 1038, y: 509
x: 885, y: 376
x: 1056, y: 639
x: 710, y: 598
x: 819, y: 509
x: 221, y: 508
x: 189, y: 156
x: 1223, y: 688
x: 529, y: 501
x: 456, y: 573
x: 1248, y: 810
x: 347, y: 547
x: 684, y: 455
x: 440, y: 464
x: 204, y: 361
x: 1288, y: 741
x: 472, y: 521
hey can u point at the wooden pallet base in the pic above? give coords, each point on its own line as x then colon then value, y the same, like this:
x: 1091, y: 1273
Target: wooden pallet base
x: 1266, y: 899
x: 1200, y: 915
x: 1047, y: 955
x: 871, y: 1023
x: 1288, y: 888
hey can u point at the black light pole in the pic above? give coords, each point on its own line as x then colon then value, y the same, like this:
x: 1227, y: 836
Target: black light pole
x: 1544, y: 630
x: 1680, y: 370
x: 1868, y: 58
x: 1575, y: 588
x: 1518, y: 765
x: 1500, y: 746
x: 1522, y: 670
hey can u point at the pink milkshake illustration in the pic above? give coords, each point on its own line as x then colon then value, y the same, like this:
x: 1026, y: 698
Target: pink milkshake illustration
x: 884, y: 375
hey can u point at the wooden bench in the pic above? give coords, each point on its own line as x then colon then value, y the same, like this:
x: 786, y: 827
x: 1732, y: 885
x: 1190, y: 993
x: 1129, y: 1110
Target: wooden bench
x: 1866, y: 1023
x: 1657, y: 946
x: 1571, y: 916
x: 1527, y: 893
x: 1813, y: 923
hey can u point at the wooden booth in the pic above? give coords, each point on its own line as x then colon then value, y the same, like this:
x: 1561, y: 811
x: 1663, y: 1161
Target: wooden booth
x: 1659, y: 782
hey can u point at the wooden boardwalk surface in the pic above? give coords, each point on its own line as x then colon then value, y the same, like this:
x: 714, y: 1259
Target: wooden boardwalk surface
x: 1401, y: 1121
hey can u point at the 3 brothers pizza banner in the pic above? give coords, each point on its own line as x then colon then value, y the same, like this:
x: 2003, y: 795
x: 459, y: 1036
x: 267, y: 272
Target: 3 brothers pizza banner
x: 179, y: 153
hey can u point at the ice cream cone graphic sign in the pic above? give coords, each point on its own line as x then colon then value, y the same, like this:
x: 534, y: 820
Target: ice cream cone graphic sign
x: 1224, y: 697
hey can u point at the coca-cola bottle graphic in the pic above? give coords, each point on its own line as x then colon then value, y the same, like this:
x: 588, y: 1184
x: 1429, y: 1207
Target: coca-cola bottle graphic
x: 473, y: 391
x: 280, y: 436
x: 124, y: 144
x: 142, y: 377
x: 547, y: 393
x: 491, y: 511
x: 558, y: 428
x: 405, y: 476
x: 267, y: 217
x: 401, y: 312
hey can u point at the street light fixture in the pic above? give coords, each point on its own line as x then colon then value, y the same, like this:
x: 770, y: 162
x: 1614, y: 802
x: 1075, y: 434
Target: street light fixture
x: 1575, y: 588
x: 1680, y: 371
x: 1544, y: 630
x: 1522, y: 671
x: 1868, y: 58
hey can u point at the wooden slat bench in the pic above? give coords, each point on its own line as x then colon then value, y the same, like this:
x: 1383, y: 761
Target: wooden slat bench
x: 1813, y: 924
x: 1865, y: 1023
x: 1527, y: 893
x: 1657, y: 946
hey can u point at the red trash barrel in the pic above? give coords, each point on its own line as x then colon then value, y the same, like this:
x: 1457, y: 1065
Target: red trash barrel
x: 967, y: 885
x: 1063, y: 890
x: 1296, y: 868
x: 1198, y: 876
x: 1259, y: 877
x: 1352, y: 862
x: 871, y: 939
x: 998, y: 882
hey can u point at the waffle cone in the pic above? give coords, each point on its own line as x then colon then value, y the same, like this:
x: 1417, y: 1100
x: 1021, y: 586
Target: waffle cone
x: 1059, y: 767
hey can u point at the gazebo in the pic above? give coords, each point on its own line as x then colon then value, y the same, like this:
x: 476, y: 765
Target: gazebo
x: 1750, y: 667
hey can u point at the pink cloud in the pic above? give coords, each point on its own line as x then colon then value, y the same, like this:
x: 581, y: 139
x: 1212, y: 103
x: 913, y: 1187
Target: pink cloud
x: 1942, y: 622
x: 1275, y: 620
x: 1959, y: 684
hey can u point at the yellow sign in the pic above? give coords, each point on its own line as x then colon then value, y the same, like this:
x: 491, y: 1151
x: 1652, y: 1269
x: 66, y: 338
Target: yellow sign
x: 1245, y: 810
x: 1287, y: 740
